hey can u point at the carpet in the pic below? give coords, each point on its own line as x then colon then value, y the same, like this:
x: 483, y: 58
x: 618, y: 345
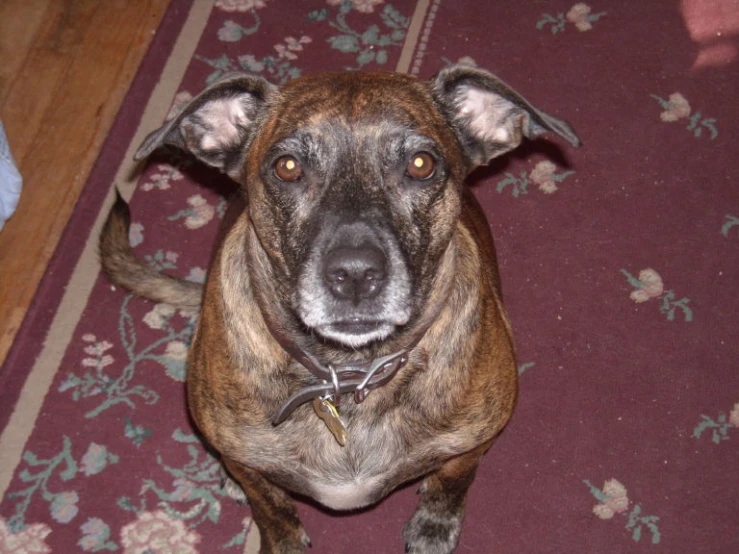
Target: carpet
x: 620, y: 267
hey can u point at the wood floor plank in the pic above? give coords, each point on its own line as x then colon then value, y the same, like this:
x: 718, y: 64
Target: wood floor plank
x: 23, y: 114
x: 67, y: 24
x: 61, y: 145
x: 20, y: 21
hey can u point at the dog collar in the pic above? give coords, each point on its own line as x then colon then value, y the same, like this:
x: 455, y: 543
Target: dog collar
x: 359, y: 378
x: 337, y: 379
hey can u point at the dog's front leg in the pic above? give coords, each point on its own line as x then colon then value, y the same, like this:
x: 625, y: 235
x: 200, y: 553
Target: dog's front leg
x: 273, y: 511
x: 435, y: 527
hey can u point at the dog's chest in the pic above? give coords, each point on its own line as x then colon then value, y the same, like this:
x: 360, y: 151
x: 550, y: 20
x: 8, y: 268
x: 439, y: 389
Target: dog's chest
x: 305, y: 457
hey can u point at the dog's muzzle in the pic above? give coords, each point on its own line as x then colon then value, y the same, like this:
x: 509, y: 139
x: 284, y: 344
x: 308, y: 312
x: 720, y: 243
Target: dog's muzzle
x: 354, y: 288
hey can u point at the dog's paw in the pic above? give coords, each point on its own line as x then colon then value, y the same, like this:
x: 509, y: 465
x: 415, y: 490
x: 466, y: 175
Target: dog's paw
x: 429, y: 533
x: 232, y: 488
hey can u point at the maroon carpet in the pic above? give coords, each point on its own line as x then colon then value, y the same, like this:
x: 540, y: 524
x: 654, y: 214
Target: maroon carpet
x: 620, y: 267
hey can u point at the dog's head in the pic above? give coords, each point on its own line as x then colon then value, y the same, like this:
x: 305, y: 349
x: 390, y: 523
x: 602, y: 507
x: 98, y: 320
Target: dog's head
x: 354, y: 180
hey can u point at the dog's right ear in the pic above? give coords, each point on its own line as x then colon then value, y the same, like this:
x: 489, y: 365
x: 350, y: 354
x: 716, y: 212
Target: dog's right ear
x: 217, y: 124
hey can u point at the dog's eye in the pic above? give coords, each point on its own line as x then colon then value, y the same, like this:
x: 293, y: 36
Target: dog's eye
x: 421, y: 167
x: 288, y: 169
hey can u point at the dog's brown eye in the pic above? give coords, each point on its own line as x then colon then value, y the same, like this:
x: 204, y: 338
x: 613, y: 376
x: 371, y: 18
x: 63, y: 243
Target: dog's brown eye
x: 421, y: 166
x: 288, y: 169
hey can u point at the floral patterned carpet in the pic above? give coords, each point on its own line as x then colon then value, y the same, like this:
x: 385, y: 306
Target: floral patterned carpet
x: 620, y: 266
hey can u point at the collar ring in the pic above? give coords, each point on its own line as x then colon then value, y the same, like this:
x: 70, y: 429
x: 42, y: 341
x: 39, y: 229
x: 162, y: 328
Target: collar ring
x: 335, y: 383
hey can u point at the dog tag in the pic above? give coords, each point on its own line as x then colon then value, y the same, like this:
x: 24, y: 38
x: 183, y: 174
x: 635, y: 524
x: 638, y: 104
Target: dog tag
x: 330, y: 416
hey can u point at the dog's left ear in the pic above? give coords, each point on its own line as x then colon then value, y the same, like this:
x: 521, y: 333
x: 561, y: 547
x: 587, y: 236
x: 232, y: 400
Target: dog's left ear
x: 216, y: 125
x: 488, y: 116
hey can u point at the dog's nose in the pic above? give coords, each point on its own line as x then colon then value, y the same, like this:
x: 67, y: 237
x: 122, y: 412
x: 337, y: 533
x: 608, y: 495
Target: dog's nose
x: 355, y: 273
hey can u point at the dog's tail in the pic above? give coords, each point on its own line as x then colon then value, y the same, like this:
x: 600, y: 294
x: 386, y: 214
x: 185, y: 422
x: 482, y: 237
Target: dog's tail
x: 123, y: 268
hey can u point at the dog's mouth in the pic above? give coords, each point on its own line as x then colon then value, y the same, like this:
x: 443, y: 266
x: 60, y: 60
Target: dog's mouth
x: 357, y: 326
x: 356, y: 332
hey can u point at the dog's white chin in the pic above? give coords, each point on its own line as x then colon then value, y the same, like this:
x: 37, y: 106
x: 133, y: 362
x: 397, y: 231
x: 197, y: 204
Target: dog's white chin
x: 355, y: 339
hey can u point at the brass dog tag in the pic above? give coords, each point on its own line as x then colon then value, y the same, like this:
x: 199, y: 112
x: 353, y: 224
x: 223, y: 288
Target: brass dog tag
x: 330, y: 416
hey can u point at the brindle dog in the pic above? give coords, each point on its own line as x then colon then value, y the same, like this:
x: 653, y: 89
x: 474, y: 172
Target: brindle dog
x: 351, y: 336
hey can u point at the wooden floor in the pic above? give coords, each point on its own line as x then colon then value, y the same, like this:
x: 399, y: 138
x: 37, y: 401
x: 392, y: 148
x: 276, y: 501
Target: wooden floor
x: 65, y: 66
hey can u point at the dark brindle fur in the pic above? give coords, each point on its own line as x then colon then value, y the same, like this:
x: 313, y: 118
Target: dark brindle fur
x: 355, y: 259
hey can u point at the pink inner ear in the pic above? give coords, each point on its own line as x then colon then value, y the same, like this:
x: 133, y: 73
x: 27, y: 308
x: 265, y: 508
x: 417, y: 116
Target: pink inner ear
x: 223, y: 121
x: 486, y: 115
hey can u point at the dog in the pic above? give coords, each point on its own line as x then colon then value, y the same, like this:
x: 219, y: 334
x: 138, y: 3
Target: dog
x: 352, y: 336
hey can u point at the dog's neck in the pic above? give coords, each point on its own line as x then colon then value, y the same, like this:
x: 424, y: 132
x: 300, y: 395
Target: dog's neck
x: 358, y: 378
